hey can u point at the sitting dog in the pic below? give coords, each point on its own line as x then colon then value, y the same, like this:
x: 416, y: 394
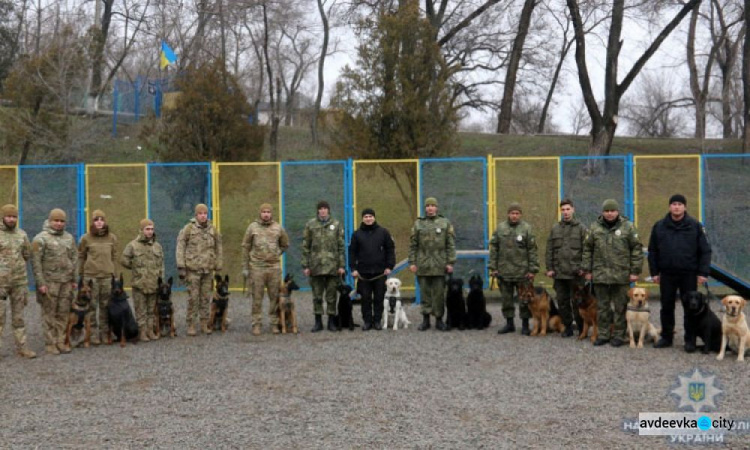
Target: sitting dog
x: 120, y: 316
x: 287, y: 311
x: 543, y: 309
x: 392, y: 305
x: 455, y: 304
x: 700, y: 322
x: 79, y: 320
x: 164, y: 310
x: 217, y: 318
x: 477, y: 317
x: 637, y: 316
x: 587, y: 308
x: 344, y: 316
x: 734, y: 329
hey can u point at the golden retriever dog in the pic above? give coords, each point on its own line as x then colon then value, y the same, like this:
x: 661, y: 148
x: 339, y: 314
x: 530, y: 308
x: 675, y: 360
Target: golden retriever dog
x: 637, y: 316
x: 734, y: 329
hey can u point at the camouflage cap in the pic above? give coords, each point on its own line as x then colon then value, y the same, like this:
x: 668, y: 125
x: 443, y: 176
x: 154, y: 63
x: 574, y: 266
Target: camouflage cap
x: 266, y: 206
x: 146, y: 223
x: 201, y: 208
x: 98, y: 213
x: 9, y: 210
x: 610, y: 204
x: 430, y: 201
x: 57, y: 214
x: 515, y: 206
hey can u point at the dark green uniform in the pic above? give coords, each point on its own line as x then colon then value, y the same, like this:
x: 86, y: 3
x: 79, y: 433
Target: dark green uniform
x: 611, y: 254
x: 513, y: 254
x: 432, y: 246
x: 564, y: 256
x: 323, y: 253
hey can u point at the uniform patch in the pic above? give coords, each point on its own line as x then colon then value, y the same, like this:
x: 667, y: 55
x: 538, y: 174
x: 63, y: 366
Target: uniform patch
x: 438, y: 230
x: 618, y: 233
x: 519, y: 238
x: 332, y: 227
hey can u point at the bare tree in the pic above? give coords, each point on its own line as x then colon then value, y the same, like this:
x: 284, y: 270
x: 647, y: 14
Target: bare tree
x: 728, y: 47
x: 653, y: 108
x: 325, y: 15
x: 746, y: 84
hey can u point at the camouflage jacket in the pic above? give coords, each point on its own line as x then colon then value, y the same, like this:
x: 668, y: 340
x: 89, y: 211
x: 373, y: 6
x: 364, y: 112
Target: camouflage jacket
x: 145, y: 258
x: 263, y: 244
x: 513, y: 251
x: 15, y: 250
x: 55, y: 256
x: 432, y: 245
x: 199, y: 248
x: 611, y: 255
x: 323, y: 246
x: 97, y: 255
x: 565, y: 249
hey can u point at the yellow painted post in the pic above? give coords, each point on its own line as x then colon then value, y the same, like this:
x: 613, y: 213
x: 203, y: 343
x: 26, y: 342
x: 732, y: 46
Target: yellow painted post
x: 215, y: 197
x: 18, y: 185
x: 88, y: 194
x: 559, y: 185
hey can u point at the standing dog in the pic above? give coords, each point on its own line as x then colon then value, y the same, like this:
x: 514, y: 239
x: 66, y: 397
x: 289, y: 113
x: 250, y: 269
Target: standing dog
x: 164, y: 310
x: 392, y: 305
x: 700, y: 322
x: 455, y: 304
x: 543, y: 309
x: 120, y: 316
x: 79, y: 319
x: 477, y: 317
x: 587, y: 308
x: 344, y: 316
x: 287, y: 311
x: 637, y: 316
x: 217, y: 318
x: 734, y: 329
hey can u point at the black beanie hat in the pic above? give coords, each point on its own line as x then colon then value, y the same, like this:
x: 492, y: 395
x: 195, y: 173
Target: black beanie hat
x: 369, y: 211
x: 323, y: 204
x: 678, y: 198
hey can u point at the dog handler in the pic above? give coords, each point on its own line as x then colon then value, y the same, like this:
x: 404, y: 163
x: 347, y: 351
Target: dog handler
x: 612, y: 259
x: 323, y: 260
x: 145, y: 257
x: 97, y: 254
x: 372, y: 255
x: 432, y: 254
x: 514, y: 259
x: 199, y: 253
x: 679, y: 258
x: 55, y: 263
x: 15, y: 250
x: 264, y: 243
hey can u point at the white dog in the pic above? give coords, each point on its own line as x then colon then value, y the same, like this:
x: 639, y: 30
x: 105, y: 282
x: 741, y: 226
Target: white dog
x: 392, y: 305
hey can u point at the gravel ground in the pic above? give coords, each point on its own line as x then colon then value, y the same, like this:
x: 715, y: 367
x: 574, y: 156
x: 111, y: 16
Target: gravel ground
x: 403, y: 389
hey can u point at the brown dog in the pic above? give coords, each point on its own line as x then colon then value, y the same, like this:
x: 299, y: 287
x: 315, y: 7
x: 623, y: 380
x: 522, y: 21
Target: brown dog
x: 542, y: 308
x: 287, y: 311
x: 217, y: 318
x: 637, y: 316
x: 734, y: 329
x: 587, y: 308
x: 79, y: 318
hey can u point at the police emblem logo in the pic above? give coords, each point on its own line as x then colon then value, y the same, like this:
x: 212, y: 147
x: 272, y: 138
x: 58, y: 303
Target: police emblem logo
x: 438, y: 230
x: 332, y: 227
x: 618, y: 232
x: 697, y: 391
x: 519, y: 238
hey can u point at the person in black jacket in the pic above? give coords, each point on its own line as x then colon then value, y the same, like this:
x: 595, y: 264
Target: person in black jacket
x: 679, y: 259
x: 372, y: 255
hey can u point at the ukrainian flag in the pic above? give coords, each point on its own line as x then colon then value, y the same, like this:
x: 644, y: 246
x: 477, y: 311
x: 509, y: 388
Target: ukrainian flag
x: 167, y: 56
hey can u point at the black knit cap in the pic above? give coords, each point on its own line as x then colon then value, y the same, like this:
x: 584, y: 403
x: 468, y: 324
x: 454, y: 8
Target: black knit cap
x: 678, y: 198
x: 324, y: 204
x: 367, y: 211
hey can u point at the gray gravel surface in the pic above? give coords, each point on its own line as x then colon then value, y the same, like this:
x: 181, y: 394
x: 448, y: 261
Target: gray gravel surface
x: 387, y: 389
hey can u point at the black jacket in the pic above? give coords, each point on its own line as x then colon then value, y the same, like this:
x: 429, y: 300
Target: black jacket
x: 372, y: 250
x: 679, y: 248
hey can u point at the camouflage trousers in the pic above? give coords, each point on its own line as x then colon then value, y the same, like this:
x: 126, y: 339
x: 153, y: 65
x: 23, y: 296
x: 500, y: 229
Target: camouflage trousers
x: 324, y: 285
x: 613, y: 303
x: 101, y: 292
x: 507, y: 289
x: 268, y: 278
x: 566, y: 302
x: 18, y: 296
x: 55, y: 305
x: 432, y: 295
x: 200, y: 286
x: 144, y: 308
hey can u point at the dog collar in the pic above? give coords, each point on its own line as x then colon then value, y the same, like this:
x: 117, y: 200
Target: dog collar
x: 703, y: 306
x: 731, y: 315
x: 633, y: 308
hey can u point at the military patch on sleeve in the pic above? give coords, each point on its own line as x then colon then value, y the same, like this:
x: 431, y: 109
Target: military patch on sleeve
x: 36, y: 246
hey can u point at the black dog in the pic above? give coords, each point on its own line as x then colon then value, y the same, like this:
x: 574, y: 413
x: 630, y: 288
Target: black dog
x: 477, y: 317
x: 164, y: 313
x: 120, y: 317
x: 344, y: 318
x: 455, y: 304
x: 701, y: 322
x: 217, y: 316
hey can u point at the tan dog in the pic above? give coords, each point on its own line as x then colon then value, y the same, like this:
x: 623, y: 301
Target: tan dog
x: 542, y: 308
x: 287, y: 311
x: 637, y: 316
x: 79, y: 317
x: 734, y: 330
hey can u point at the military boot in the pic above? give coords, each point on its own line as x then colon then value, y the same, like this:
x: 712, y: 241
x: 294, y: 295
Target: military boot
x: 525, y: 327
x: 143, y: 334
x: 154, y: 336
x: 256, y: 330
x: 332, y: 323
x: 440, y: 325
x: 425, y: 325
x: 95, y: 336
x: 51, y: 350
x: 21, y: 349
x: 191, y: 329
x: 318, y: 323
x: 205, y: 327
x: 568, y: 331
x: 508, y: 328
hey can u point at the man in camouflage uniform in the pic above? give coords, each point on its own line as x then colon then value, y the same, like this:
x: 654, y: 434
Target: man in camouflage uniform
x: 323, y: 260
x: 15, y: 250
x: 145, y: 257
x: 55, y: 263
x: 432, y: 254
x: 199, y: 254
x: 564, y: 255
x: 612, y: 258
x: 514, y: 259
x: 264, y: 243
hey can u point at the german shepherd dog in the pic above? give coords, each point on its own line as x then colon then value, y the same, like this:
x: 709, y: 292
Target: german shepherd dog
x: 455, y: 304
x: 79, y: 320
x: 477, y: 316
x: 287, y: 311
x: 120, y: 317
x: 587, y: 308
x: 217, y: 319
x: 164, y: 310
x: 543, y: 309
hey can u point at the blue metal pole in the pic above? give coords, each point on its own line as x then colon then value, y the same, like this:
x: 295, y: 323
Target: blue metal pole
x: 137, y: 99
x: 282, y: 216
x: 148, y: 190
x: 20, y: 198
